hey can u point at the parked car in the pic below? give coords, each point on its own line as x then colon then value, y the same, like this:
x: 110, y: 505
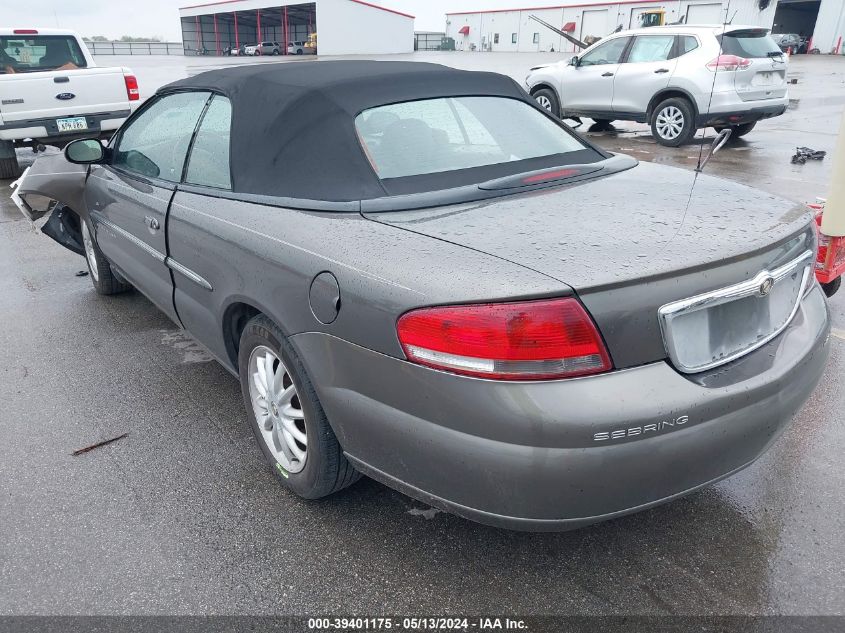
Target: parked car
x: 264, y: 48
x: 301, y: 48
x: 665, y: 75
x: 790, y: 42
x: 53, y: 91
x: 448, y: 290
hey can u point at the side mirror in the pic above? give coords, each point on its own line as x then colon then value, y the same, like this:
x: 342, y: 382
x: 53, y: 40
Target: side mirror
x: 574, y: 61
x: 84, y: 151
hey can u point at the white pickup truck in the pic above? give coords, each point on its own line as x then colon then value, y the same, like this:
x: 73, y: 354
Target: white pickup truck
x: 52, y: 91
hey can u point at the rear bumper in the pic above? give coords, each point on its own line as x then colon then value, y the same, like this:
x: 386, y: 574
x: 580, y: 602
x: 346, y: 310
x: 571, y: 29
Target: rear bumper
x: 525, y: 455
x: 738, y: 115
x: 46, y: 130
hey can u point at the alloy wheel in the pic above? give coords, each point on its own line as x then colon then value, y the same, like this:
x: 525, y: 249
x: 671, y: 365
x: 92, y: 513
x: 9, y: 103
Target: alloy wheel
x: 90, y: 255
x: 670, y: 123
x: 544, y: 102
x: 277, y: 409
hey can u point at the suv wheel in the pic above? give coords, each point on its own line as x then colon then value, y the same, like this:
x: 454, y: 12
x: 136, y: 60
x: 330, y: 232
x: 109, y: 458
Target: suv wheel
x: 672, y: 122
x: 547, y: 100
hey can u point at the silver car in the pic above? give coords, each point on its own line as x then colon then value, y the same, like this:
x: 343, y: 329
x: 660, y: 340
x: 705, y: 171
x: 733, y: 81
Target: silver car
x: 264, y: 48
x: 447, y: 290
x: 676, y: 78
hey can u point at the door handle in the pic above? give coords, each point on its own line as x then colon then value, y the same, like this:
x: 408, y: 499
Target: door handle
x: 607, y: 75
x: 660, y: 71
x: 152, y: 223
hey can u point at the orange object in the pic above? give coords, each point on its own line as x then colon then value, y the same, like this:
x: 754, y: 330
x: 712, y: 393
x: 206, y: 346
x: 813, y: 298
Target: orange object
x: 830, y: 259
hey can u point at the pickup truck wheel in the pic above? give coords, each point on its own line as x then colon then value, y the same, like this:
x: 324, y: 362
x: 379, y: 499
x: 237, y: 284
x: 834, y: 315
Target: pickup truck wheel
x: 547, y: 100
x: 102, y: 276
x: 286, y: 416
x: 672, y: 122
x: 9, y: 167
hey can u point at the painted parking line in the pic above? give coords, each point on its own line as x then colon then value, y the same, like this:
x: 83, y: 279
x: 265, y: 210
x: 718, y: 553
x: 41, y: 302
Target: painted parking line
x: 840, y: 334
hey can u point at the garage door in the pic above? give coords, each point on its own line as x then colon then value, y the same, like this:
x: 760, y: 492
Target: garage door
x: 705, y: 13
x: 594, y: 23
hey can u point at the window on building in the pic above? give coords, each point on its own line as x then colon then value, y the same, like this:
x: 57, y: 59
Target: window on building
x: 513, y: 38
x: 536, y: 38
x: 495, y: 38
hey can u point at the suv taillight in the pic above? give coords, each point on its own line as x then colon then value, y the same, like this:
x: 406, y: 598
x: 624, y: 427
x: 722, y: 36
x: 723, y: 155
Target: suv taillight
x: 526, y: 340
x: 728, y: 62
x: 132, y: 87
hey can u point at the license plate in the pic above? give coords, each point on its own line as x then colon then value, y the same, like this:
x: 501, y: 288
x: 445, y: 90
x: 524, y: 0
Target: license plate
x: 765, y: 79
x: 72, y: 124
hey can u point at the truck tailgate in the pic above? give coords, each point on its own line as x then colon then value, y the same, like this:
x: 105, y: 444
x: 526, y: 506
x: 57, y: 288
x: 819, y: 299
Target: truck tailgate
x: 62, y: 93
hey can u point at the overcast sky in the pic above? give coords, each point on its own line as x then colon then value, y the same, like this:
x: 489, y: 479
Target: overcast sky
x: 160, y: 18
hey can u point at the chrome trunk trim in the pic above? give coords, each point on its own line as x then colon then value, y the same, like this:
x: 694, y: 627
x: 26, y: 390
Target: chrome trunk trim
x: 763, y: 280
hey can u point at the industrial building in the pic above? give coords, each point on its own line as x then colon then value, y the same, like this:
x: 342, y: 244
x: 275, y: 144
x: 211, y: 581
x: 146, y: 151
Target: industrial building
x: 516, y: 30
x: 346, y: 27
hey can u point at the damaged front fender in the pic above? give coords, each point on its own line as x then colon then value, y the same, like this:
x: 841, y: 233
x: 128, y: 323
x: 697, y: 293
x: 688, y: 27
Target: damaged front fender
x: 62, y: 183
x: 52, y: 177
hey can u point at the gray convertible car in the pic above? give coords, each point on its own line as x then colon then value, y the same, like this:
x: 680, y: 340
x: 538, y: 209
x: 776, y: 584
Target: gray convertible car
x: 419, y: 275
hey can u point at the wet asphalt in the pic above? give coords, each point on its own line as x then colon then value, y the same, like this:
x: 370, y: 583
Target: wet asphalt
x: 184, y: 517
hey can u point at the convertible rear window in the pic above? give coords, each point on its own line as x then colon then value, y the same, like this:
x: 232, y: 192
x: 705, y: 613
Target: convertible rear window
x: 27, y: 54
x: 446, y: 134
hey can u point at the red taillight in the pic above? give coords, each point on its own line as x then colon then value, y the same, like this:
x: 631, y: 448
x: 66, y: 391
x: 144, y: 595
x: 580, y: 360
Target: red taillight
x: 728, y: 62
x: 132, y: 87
x: 25, y: 32
x: 527, y: 340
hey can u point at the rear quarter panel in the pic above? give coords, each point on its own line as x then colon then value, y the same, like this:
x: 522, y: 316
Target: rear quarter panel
x: 267, y: 257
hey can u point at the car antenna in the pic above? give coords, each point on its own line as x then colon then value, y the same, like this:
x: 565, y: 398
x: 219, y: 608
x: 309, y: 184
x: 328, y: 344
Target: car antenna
x: 717, y: 144
x: 725, y: 134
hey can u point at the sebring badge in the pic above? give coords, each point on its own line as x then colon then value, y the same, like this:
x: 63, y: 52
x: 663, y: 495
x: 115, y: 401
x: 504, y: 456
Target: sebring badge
x: 65, y: 96
x: 645, y: 429
x: 766, y: 286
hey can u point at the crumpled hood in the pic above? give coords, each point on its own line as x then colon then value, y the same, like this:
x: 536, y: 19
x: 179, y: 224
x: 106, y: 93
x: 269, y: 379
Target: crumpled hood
x: 644, y: 222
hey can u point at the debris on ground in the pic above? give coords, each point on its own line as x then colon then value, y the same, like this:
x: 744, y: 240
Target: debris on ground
x: 98, y: 444
x: 429, y: 514
x: 802, y: 154
x: 82, y: 273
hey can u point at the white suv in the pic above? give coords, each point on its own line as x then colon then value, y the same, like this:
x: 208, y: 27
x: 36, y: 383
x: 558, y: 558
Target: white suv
x: 676, y: 78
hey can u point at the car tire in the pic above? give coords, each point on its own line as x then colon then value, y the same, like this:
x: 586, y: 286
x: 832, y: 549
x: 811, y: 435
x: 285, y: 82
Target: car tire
x: 738, y: 130
x: 299, y: 51
x: 324, y: 468
x: 547, y: 99
x: 832, y: 287
x: 672, y: 122
x: 9, y: 167
x: 104, y: 279
x: 275, y: 51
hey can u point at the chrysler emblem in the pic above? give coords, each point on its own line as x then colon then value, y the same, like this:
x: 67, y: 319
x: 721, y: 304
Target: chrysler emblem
x: 65, y: 96
x: 766, y: 286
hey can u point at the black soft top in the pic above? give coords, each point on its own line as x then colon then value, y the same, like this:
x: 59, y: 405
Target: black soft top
x: 293, y: 124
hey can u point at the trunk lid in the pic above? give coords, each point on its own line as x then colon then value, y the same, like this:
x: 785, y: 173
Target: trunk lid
x: 629, y: 243
x: 765, y: 76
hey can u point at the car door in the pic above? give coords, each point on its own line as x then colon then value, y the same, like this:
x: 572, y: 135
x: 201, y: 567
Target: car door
x: 193, y: 237
x: 646, y: 69
x: 587, y: 87
x: 128, y: 197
